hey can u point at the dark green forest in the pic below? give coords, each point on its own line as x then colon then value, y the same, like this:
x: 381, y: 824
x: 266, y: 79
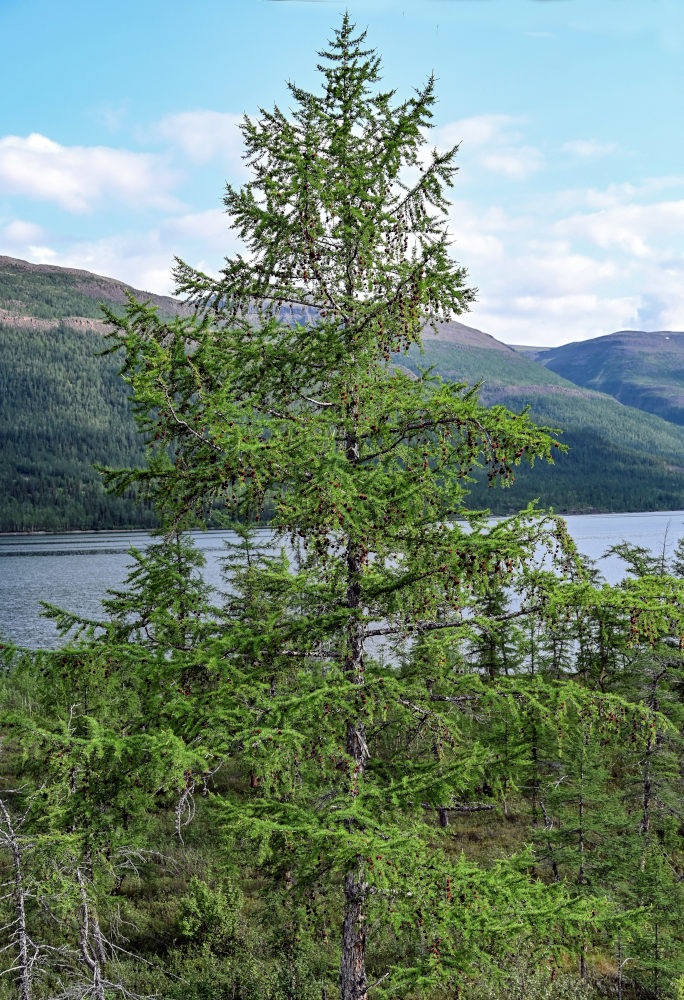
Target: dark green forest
x: 63, y: 407
x: 640, y: 369
x: 618, y: 458
x: 408, y: 751
x: 63, y: 410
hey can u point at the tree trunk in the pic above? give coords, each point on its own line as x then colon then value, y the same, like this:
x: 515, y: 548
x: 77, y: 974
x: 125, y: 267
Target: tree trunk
x: 535, y: 775
x: 21, y: 933
x: 353, y: 984
x: 89, y: 955
x: 580, y: 874
x: 619, y: 967
x: 646, y: 813
x: 651, y: 745
x: 535, y: 749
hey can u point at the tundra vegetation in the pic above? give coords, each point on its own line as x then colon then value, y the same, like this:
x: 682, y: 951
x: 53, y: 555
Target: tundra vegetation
x: 409, y: 752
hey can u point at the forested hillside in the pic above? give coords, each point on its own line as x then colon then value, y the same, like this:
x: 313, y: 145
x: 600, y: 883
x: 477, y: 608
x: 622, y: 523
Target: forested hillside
x: 619, y: 458
x: 63, y: 409
x: 645, y: 370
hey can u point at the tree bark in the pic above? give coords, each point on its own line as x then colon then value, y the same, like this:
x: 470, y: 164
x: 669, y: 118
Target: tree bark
x: 22, y: 937
x: 353, y: 985
x: 89, y: 955
x: 619, y: 966
x: 645, y: 824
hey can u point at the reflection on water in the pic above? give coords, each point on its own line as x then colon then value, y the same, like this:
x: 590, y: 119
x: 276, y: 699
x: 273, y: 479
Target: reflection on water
x: 74, y: 571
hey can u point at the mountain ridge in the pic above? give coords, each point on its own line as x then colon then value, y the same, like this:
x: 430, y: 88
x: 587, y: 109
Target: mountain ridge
x: 63, y: 409
x: 639, y: 368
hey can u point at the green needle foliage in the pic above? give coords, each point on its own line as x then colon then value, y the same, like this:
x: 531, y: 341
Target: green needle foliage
x: 284, y: 392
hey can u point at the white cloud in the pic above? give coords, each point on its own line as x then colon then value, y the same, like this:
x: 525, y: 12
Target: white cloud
x: 478, y: 234
x: 478, y: 131
x: 544, y: 290
x: 536, y: 288
x: 211, y: 227
x: 547, y: 320
x: 41, y: 255
x: 554, y: 268
x: 27, y: 241
x: 204, y: 135
x: 645, y: 190
x: 588, y: 149
x: 19, y: 233
x: 80, y: 177
x: 517, y: 163
x: 493, y: 142
x: 633, y: 228
x: 142, y: 259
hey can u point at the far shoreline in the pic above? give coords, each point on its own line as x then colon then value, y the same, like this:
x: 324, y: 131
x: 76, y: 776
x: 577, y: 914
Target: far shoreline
x: 572, y: 512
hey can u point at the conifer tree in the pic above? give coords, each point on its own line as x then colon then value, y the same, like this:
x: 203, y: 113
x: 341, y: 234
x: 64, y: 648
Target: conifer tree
x: 284, y: 395
x: 163, y: 604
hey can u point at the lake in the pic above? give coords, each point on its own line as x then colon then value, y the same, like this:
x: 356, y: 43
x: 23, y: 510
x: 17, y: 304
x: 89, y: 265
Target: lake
x: 74, y: 571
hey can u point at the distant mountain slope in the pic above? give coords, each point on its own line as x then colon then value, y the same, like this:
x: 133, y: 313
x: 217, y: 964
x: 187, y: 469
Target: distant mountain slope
x: 645, y: 370
x: 63, y: 408
x: 530, y: 351
x: 620, y: 458
x: 462, y: 353
x: 49, y: 292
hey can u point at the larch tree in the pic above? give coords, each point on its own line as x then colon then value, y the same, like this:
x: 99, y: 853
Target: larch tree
x: 283, y: 397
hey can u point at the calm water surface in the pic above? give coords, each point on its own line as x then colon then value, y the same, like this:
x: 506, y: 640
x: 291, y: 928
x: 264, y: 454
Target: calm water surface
x: 74, y: 571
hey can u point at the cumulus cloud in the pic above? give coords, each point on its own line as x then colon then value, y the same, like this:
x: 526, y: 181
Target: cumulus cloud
x: 589, y: 149
x: 493, y: 142
x: 27, y: 241
x: 538, y: 288
x: 41, y: 255
x: 78, y: 178
x: 634, y: 228
x: 478, y: 131
x: 544, y: 290
x: 143, y: 260
x: 19, y: 233
x: 517, y: 163
x: 204, y: 135
x: 210, y: 226
x: 550, y: 294
x: 547, y: 320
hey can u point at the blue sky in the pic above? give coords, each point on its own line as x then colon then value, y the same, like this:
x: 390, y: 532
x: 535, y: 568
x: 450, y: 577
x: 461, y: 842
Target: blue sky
x: 119, y: 128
